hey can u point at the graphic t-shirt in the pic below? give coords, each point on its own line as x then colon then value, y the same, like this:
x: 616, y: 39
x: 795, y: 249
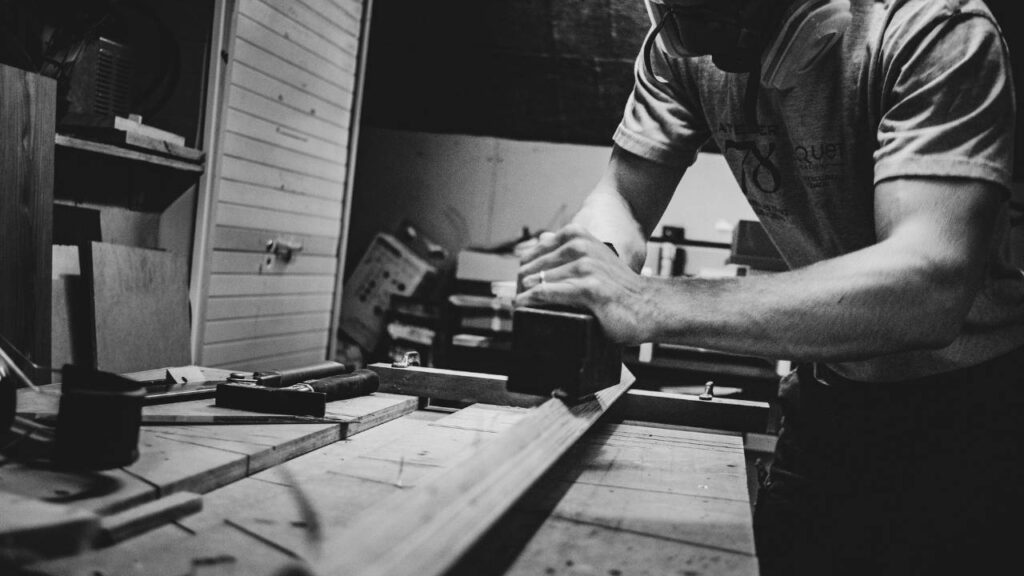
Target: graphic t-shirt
x: 916, y: 88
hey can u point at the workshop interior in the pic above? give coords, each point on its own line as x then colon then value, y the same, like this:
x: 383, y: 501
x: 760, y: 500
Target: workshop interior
x: 257, y: 309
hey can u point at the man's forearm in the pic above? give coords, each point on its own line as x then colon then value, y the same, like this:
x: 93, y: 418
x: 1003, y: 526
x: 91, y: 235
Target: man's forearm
x: 608, y: 217
x: 856, y: 306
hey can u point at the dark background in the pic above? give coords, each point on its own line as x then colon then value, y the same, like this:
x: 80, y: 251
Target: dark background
x: 548, y: 70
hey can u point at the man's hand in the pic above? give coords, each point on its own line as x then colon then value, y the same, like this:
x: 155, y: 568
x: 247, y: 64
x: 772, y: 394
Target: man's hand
x: 580, y: 271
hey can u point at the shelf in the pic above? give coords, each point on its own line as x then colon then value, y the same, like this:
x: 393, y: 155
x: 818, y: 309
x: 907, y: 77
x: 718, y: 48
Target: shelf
x: 127, y: 153
x: 102, y: 173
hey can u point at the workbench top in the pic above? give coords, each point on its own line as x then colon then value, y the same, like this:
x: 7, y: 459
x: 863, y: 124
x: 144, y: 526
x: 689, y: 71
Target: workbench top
x: 628, y: 498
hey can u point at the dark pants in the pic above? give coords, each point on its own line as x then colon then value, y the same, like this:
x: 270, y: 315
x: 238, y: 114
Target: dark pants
x: 916, y: 477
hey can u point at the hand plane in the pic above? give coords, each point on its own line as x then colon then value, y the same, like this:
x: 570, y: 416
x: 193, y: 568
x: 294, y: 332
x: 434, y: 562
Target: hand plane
x: 561, y: 352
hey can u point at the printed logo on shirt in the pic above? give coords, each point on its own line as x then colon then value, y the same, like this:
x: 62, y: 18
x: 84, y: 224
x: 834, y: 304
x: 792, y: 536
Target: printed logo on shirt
x: 759, y: 170
x: 821, y: 164
x: 821, y: 154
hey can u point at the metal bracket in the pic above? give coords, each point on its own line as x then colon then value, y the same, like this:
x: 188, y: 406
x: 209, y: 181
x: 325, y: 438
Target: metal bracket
x: 284, y: 248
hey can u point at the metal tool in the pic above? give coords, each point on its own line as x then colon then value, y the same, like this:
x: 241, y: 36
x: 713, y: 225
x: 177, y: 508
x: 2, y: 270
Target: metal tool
x: 163, y: 392
x: 561, y: 352
x: 304, y: 399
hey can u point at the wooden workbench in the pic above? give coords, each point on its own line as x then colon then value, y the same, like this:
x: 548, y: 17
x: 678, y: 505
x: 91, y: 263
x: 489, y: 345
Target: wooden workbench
x: 629, y: 498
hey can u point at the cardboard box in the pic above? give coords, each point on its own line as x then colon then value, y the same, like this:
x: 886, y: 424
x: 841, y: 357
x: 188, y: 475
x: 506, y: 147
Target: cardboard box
x: 388, y: 268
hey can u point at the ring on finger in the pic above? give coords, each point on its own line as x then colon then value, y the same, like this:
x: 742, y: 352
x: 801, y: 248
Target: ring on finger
x: 542, y: 279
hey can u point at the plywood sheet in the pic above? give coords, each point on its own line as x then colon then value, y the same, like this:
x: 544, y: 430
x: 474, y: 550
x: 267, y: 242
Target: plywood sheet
x: 140, y: 307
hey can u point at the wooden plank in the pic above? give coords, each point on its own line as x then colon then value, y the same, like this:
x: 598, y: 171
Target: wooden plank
x: 125, y: 284
x: 253, y: 240
x: 564, y: 547
x: 367, y: 412
x: 484, y: 418
x: 238, y: 351
x: 487, y: 483
x: 260, y: 59
x: 27, y: 117
x: 128, y: 153
x: 454, y: 385
x: 286, y: 360
x: 363, y: 36
x: 246, y: 328
x: 293, y: 55
x: 262, y: 197
x: 262, y: 94
x: 640, y: 405
x: 300, y: 35
x: 614, y: 490
x: 253, y: 285
x: 305, y: 113
x: 175, y: 466
x: 244, y: 170
x: 287, y: 135
x: 688, y: 410
x: 255, y: 306
x: 345, y: 14
x: 344, y: 34
x: 341, y: 480
x: 246, y: 148
x: 239, y: 216
x: 248, y: 263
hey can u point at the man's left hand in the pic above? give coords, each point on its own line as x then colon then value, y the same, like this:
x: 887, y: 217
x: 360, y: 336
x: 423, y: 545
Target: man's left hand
x: 573, y: 268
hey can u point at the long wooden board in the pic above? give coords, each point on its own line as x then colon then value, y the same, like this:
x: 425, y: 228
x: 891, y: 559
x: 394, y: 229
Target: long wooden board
x: 422, y: 532
x: 641, y: 405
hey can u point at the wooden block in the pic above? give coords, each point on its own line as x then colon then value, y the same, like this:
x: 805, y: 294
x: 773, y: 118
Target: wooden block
x: 688, y: 410
x: 452, y: 385
x: 31, y: 528
x: 140, y: 309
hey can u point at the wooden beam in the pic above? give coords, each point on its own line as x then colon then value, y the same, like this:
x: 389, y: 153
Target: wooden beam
x: 452, y: 385
x: 646, y: 406
x: 686, y: 410
x: 424, y: 531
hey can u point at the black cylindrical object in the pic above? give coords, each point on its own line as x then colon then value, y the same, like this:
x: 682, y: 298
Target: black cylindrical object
x: 98, y: 421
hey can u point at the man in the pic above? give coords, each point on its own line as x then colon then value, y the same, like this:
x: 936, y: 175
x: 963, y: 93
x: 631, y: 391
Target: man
x: 874, y: 141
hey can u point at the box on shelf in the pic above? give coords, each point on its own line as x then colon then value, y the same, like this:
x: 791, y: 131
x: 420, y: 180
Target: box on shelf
x: 388, y: 268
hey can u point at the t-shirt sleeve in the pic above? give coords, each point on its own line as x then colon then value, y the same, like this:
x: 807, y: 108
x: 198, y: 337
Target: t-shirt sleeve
x: 662, y: 122
x: 947, y: 101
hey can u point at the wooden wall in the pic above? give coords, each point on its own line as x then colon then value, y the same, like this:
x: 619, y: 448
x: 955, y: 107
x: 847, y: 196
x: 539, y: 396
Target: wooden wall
x: 27, y: 105
x: 281, y: 175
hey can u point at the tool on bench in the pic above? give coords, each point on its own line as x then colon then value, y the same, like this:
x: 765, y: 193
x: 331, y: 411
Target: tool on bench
x: 164, y: 392
x: 303, y: 399
x: 561, y: 352
x: 558, y: 351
